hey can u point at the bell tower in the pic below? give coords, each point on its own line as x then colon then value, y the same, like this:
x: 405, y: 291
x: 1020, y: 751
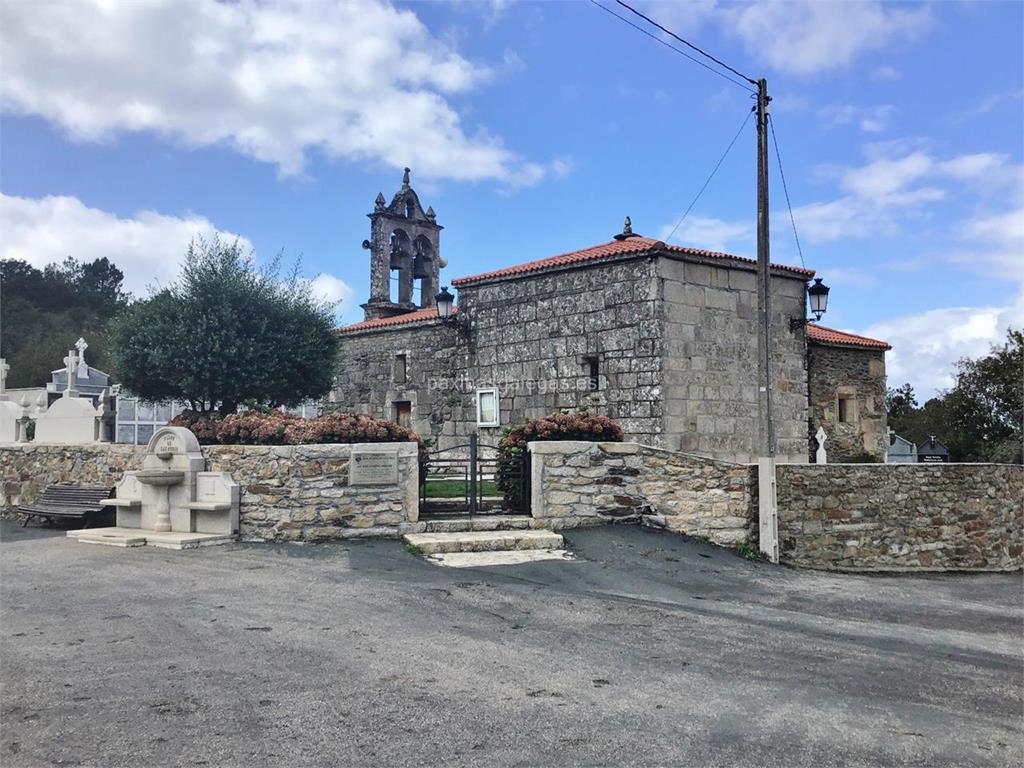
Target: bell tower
x: 405, y: 241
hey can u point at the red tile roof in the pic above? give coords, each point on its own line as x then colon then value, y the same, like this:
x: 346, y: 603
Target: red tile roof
x: 630, y: 245
x: 822, y: 335
x: 409, y: 318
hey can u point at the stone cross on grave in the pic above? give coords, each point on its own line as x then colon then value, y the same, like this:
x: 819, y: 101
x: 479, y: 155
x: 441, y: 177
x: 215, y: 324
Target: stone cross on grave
x: 820, y: 457
x: 4, y: 368
x: 83, y: 369
x: 70, y: 363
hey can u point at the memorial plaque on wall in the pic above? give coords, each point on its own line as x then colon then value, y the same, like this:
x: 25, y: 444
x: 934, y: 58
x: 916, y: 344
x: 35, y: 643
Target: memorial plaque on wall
x: 368, y: 467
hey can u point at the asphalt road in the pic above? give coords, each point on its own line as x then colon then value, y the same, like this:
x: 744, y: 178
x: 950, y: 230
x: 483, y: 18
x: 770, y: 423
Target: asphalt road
x: 651, y: 650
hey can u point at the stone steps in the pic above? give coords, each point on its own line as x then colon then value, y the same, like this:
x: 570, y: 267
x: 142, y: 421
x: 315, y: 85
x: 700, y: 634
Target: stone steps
x: 482, y: 541
x: 478, y: 523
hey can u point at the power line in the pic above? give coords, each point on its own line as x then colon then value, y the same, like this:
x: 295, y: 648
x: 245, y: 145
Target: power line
x: 785, y: 189
x: 702, y: 52
x: 709, y: 178
x: 657, y: 39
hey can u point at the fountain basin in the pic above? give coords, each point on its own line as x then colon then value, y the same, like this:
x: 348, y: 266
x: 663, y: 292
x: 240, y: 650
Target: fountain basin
x: 160, y: 477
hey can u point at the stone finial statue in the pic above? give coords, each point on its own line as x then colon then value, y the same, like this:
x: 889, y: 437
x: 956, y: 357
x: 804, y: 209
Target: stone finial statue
x: 430, y: 213
x: 380, y: 202
x: 627, y: 230
x: 405, y: 179
x: 820, y: 456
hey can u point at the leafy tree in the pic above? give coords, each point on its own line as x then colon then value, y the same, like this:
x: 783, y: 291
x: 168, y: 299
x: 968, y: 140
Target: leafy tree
x: 43, y: 312
x: 225, y: 333
x: 900, y: 403
x: 980, y: 417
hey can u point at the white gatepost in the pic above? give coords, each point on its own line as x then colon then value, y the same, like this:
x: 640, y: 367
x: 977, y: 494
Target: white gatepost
x: 767, y: 508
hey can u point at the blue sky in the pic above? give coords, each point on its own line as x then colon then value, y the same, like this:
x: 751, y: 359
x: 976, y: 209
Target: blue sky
x: 532, y: 128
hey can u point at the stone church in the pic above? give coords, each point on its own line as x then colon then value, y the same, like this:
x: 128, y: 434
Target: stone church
x: 660, y: 337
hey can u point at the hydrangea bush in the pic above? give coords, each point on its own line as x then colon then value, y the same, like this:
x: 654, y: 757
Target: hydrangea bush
x: 277, y: 428
x: 578, y: 425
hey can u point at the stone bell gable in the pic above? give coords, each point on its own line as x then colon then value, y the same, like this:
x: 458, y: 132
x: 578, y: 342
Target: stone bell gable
x: 406, y: 240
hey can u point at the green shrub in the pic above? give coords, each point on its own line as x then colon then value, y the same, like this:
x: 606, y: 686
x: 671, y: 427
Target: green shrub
x: 578, y: 425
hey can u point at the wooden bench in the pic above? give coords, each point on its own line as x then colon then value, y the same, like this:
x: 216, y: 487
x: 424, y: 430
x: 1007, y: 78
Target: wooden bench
x: 68, y: 502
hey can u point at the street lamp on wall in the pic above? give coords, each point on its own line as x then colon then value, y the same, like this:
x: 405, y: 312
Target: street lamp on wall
x: 817, y: 297
x: 447, y: 312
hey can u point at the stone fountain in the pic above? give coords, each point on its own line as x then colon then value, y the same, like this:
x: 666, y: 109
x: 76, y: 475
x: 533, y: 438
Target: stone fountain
x: 171, y: 502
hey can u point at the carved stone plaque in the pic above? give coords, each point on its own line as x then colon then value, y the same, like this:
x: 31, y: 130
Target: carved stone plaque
x: 369, y: 467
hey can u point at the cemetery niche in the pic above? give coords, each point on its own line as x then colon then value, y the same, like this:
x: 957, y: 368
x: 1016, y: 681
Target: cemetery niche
x: 172, y: 501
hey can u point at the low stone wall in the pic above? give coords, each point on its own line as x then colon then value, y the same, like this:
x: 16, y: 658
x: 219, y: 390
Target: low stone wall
x: 289, y: 493
x: 902, y: 516
x: 581, y: 483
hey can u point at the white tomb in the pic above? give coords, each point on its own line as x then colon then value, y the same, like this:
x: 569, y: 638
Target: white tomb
x: 71, y: 420
x: 171, y: 502
x: 11, y: 413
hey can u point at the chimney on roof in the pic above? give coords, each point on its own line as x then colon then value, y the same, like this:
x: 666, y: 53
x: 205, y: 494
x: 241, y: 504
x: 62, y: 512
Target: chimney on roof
x: 627, y: 230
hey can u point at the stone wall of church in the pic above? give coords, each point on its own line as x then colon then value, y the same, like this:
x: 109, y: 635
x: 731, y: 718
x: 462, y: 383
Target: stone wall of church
x: 710, y: 362
x: 368, y: 378
x: 534, y: 338
x: 855, y: 430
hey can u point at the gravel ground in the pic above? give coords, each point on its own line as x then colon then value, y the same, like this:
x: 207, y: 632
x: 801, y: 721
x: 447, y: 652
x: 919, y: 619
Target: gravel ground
x: 649, y: 650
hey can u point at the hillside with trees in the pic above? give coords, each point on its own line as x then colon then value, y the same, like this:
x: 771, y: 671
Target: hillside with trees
x: 43, y: 312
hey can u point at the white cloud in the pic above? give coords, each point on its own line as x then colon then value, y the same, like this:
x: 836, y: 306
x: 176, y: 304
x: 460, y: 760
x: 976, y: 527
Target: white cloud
x: 801, y: 37
x: 357, y: 80
x: 885, y: 72
x: 148, y: 247
x: 869, y: 119
x: 334, y: 290
x: 810, y: 36
x: 711, y: 234
x: 926, y: 346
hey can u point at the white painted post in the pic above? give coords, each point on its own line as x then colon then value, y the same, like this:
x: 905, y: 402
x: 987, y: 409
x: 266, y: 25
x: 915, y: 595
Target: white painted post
x: 820, y: 456
x: 4, y: 368
x: 767, y: 508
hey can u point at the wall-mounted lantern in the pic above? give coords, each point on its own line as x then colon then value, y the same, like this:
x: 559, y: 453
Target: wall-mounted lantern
x: 447, y: 312
x: 817, y: 296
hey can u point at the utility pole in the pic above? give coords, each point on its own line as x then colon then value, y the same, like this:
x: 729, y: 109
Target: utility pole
x: 768, y: 518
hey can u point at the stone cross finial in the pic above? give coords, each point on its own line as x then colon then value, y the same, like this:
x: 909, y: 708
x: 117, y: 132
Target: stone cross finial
x: 83, y: 369
x: 820, y: 457
x: 70, y: 363
x: 4, y: 368
x: 405, y: 179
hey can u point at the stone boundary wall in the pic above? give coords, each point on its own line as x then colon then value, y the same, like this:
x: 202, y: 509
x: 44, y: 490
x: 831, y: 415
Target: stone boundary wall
x: 577, y: 483
x: 902, y: 516
x: 289, y: 493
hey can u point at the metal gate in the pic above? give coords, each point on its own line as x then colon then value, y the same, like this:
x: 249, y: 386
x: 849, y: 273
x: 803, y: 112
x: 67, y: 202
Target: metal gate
x: 474, y: 478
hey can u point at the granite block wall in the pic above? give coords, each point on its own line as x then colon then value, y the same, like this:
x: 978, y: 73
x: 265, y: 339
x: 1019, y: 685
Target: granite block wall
x: 289, y: 493
x: 902, y: 516
x: 710, y: 361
